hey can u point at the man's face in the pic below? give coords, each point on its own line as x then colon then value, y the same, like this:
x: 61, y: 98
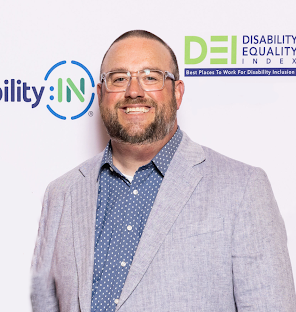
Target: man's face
x: 137, y: 116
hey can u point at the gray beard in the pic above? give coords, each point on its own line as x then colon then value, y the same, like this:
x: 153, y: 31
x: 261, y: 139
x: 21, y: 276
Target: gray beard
x: 163, y: 123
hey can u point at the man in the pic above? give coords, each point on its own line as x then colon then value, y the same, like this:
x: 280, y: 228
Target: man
x: 156, y: 222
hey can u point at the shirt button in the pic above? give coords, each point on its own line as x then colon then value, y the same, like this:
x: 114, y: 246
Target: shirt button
x: 111, y: 169
x: 116, y: 301
x: 123, y: 264
x: 129, y: 227
x: 135, y: 192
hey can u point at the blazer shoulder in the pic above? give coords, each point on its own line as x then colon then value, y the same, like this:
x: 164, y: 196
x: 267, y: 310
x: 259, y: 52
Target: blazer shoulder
x: 67, y: 180
x: 211, y: 162
x: 219, y: 164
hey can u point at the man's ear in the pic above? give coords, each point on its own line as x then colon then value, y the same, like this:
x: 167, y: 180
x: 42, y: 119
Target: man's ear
x: 99, y: 91
x: 179, y: 91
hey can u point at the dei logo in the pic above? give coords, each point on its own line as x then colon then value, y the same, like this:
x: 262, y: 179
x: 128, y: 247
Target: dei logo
x: 68, y: 96
x: 255, y: 55
x: 222, y: 49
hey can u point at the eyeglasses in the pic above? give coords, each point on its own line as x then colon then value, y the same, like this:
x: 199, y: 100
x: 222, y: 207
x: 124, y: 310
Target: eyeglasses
x: 149, y: 80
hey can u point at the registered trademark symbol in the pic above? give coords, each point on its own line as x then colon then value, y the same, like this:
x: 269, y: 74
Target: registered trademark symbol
x: 90, y: 113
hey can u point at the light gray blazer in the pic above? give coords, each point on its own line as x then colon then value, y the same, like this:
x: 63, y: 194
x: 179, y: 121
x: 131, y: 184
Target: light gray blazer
x: 214, y: 242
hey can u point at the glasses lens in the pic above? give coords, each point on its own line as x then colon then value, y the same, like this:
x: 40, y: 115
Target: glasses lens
x: 117, y: 81
x: 151, y: 79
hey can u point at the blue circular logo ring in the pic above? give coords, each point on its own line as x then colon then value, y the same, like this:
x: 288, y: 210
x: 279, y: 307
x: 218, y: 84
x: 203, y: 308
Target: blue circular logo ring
x: 92, y: 83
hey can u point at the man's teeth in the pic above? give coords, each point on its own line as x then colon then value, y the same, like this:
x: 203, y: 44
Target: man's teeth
x: 136, y: 109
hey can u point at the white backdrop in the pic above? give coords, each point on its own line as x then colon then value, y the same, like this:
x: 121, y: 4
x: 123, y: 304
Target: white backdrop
x: 247, y: 118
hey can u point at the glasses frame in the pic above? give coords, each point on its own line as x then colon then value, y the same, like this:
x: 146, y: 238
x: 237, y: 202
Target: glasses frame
x: 166, y: 74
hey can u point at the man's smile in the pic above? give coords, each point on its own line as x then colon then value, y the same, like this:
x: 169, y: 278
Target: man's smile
x: 136, y: 110
x: 139, y: 108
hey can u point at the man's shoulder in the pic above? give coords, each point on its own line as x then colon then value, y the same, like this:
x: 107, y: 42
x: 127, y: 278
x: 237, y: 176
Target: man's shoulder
x: 223, y: 162
x: 75, y: 175
x: 218, y: 164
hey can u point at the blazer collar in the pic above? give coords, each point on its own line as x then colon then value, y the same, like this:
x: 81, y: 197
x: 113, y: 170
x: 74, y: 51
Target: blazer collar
x: 84, y: 204
x: 177, y: 186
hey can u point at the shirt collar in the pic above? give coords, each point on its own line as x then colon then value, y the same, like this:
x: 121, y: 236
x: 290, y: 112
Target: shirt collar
x: 165, y: 155
x: 107, y: 157
x: 161, y: 160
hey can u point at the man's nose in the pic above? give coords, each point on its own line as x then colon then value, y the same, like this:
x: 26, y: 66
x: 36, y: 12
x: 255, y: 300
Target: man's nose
x: 134, y: 89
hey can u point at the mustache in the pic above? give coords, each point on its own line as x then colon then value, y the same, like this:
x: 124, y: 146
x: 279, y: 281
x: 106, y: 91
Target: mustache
x: 129, y: 101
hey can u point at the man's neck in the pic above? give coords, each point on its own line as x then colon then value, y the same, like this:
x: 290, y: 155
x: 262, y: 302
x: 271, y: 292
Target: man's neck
x: 127, y: 158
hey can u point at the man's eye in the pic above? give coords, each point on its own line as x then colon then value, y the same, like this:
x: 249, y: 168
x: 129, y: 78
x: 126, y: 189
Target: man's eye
x: 119, y: 79
x: 150, y: 78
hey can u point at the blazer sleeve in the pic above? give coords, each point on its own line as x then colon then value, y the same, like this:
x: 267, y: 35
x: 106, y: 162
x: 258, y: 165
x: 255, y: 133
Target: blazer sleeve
x: 262, y: 273
x: 43, y: 296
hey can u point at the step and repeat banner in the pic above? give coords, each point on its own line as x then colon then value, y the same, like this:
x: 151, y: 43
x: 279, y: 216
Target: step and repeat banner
x: 238, y: 63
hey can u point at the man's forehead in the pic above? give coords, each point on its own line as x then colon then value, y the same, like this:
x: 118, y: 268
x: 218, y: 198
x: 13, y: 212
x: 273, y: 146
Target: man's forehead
x: 137, y: 53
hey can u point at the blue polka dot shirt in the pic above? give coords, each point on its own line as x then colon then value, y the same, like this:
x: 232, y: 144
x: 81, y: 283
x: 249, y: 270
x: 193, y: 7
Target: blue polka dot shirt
x: 122, y: 211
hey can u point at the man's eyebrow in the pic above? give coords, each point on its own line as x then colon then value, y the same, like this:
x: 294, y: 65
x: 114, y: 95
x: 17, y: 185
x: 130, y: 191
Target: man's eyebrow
x: 151, y: 68
x: 120, y: 69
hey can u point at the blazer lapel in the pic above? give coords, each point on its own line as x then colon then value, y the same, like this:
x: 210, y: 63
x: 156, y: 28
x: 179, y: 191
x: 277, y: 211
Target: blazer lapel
x: 178, y: 184
x: 84, y: 203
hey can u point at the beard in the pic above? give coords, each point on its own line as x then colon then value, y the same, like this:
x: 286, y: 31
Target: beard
x: 162, y: 124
